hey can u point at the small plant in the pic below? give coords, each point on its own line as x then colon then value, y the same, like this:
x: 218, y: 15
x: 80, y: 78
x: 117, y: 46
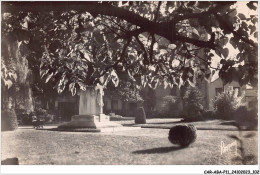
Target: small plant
x: 226, y: 103
x: 183, y: 135
x: 140, y: 116
x: 8, y: 120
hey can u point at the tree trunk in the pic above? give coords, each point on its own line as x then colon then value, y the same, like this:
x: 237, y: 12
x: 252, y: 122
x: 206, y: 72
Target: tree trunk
x: 19, y: 95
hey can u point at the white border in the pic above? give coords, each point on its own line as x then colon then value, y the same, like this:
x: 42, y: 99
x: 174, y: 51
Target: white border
x: 121, y: 169
x: 126, y: 169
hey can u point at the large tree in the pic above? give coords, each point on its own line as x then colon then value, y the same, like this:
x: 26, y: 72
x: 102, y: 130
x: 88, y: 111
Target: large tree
x: 89, y: 43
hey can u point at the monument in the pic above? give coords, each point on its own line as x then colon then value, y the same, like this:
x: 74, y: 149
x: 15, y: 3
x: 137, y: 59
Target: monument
x: 90, y: 111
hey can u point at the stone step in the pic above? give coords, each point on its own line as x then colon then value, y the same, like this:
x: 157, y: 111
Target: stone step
x: 116, y: 129
x: 107, y: 129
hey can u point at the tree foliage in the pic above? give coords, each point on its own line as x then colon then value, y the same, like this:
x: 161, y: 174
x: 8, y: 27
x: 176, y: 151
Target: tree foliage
x: 227, y: 102
x: 193, y: 102
x: 88, y: 43
x: 126, y: 91
x: 168, y: 105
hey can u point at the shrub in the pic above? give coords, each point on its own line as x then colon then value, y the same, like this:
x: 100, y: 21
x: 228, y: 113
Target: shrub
x: 226, y: 103
x: 205, y: 115
x: 182, y: 135
x: 183, y: 114
x: 245, y: 117
x: 40, y: 111
x: 169, y: 103
x: 49, y: 118
x: 208, y: 115
x: 8, y: 120
x: 43, y: 114
x: 140, y: 116
x: 26, y: 119
x: 193, y: 102
x: 23, y: 116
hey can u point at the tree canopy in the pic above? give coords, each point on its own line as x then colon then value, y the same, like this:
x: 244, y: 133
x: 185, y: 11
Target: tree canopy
x: 79, y: 44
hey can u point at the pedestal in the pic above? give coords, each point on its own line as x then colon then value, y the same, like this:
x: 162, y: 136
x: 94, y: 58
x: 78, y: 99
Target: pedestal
x: 90, y: 112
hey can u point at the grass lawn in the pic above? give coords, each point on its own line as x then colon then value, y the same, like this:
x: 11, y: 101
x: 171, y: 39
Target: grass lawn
x: 148, y: 146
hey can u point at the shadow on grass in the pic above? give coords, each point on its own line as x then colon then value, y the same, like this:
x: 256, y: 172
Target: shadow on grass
x: 26, y: 128
x: 157, y: 150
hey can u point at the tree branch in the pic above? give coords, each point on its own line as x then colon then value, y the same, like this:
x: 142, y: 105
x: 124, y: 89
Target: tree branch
x: 164, y: 29
x: 142, y: 47
x: 119, y: 60
x: 151, y: 48
x: 235, y: 33
x: 158, y: 11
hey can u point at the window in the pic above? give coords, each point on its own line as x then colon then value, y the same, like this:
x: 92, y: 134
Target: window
x: 218, y: 91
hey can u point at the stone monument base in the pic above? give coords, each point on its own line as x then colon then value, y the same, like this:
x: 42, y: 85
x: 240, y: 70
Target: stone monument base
x: 90, y: 121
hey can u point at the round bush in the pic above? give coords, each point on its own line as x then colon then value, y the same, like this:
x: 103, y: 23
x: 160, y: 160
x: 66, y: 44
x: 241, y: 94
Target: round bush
x: 140, y: 116
x: 8, y: 120
x: 182, y: 135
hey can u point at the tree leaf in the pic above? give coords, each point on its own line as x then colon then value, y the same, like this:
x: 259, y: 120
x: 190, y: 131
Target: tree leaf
x: 165, y: 83
x: 251, y: 5
x: 163, y: 51
x: 224, y: 41
x: 225, y: 52
x: 87, y: 56
x: 71, y: 86
x: 143, y: 80
x: 62, y: 84
x: 254, y: 20
x: 208, y: 77
x: 8, y: 83
x: 191, y: 83
x: 218, y: 52
x: 253, y: 29
x: 82, y: 86
x: 195, y: 31
x: 114, y: 78
x: 48, y: 77
x: 19, y: 44
x: 233, y: 13
x: 172, y: 46
x: 130, y: 75
x: 73, y: 91
x: 151, y: 68
x: 256, y: 34
x: 241, y: 16
x: 154, y: 84
x: 12, y: 75
x: 233, y: 42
